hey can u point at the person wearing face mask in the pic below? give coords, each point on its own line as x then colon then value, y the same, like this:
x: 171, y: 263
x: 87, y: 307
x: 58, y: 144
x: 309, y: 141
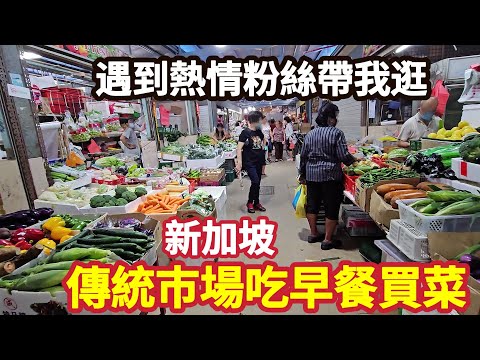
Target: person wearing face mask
x: 128, y: 139
x: 421, y: 124
x: 323, y: 152
x: 251, y: 158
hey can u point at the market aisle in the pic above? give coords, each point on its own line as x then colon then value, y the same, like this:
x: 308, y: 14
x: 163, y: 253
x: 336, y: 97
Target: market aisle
x: 292, y: 232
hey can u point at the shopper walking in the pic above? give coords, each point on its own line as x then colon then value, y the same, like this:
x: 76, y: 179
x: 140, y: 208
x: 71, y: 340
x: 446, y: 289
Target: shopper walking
x: 323, y: 151
x: 278, y: 141
x: 267, y: 133
x: 251, y: 157
x: 288, y: 137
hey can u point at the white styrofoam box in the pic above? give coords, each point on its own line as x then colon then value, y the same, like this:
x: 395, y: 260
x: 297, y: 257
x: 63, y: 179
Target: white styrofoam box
x: 102, y: 106
x: 431, y: 223
x: 172, y: 157
x: 214, y: 163
x: 471, y: 114
x: 78, y: 183
x: 218, y: 193
x: 412, y: 243
x: 59, y: 208
x: 466, y: 170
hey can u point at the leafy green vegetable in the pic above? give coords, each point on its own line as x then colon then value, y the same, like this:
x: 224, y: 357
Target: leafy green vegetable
x: 109, y: 161
x: 470, y: 150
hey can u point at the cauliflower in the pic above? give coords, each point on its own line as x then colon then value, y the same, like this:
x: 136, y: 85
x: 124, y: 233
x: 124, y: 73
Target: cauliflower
x: 48, y: 196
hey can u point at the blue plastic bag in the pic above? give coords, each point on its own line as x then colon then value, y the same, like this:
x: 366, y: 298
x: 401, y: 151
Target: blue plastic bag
x: 298, y: 192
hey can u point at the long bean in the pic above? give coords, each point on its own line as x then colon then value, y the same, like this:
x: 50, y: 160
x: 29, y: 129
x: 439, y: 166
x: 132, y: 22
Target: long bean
x: 374, y: 176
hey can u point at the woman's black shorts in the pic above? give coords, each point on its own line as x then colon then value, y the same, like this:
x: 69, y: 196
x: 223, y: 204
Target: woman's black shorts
x: 330, y: 193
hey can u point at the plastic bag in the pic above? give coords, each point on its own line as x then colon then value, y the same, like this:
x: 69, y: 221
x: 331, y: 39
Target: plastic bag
x: 300, y: 211
x: 442, y: 95
x: 296, y: 197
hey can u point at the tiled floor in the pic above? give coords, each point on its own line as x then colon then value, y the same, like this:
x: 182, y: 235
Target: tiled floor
x: 291, y: 235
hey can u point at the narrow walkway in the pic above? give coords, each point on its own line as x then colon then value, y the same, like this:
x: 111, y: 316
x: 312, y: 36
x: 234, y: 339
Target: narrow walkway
x: 292, y: 232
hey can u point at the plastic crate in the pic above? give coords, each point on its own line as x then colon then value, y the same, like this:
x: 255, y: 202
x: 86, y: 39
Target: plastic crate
x: 394, y: 231
x: 412, y: 243
x: 363, y: 227
x: 220, y: 182
x: 349, y: 183
x: 425, y: 224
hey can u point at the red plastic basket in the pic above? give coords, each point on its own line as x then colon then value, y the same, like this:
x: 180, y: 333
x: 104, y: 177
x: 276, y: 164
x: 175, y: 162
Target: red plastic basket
x: 119, y: 181
x: 349, y: 183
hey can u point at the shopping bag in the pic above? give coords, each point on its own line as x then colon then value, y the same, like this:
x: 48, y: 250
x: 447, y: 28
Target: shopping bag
x: 298, y: 192
x: 442, y: 95
x: 300, y: 211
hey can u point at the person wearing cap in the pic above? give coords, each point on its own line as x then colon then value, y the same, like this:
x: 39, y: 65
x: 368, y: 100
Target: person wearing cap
x: 421, y: 124
x: 324, y: 150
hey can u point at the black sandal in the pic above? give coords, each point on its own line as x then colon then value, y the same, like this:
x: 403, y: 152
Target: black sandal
x: 333, y: 244
x: 314, y: 239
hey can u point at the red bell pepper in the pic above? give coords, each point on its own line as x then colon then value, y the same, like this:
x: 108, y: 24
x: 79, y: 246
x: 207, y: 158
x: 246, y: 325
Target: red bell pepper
x: 4, y: 242
x: 33, y: 235
x: 29, y: 235
x: 16, y: 239
x: 23, y: 245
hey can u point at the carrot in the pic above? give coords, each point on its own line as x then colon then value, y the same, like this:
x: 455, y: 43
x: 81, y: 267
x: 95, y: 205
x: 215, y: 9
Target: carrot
x: 167, y: 199
x: 140, y: 207
x: 183, y: 201
x: 163, y: 205
x: 174, y: 207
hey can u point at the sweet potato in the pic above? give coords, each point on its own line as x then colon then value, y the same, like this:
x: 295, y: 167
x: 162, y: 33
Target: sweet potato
x: 414, y: 195
x: 430, y: 186
x: 388, y: 196
x: 386, y: 188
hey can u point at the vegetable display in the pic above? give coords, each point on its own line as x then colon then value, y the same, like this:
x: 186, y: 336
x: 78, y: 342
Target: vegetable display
x: 122, y: 197
x: 61, y: 177
x: 161, y: 203
x: 393, y: 192
x: 374, y: 176
x: 193, y: 174
x: 174, y: 149
x: 130, y: 245
x: 201, y: 202
x: 201, y: 152
x: 463, y: 128
x: 398, y: 153
x: 470, y: 150
x: 81, y: 137
x: 448, y: 202
x: 204, y: 140
x: 135, y: 171
x: 435, y: 162
x: 109, y: 161
x: 24, y: 218
x: 360, y: 168
x: 227, y: 146
x: 79, y: 198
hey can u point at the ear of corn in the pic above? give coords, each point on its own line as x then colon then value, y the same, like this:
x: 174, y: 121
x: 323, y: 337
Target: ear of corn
x: 39, y: 281
x: 449, y: 196
x: 79, y: 253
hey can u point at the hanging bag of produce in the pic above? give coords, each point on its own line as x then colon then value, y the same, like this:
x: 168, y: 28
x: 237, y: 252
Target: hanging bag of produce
x: 442, y: 95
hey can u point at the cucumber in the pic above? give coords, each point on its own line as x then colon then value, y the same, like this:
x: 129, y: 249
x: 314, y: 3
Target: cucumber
x: 149, y: 245
x: 72, y: 239
x: 98, y: 241
x: 124, y: 254
x: 121, y: 232
x: 141, y: 242
x: 125, y: 246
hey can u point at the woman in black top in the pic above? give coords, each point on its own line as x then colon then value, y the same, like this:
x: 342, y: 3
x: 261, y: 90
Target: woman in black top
x: 251, y: 157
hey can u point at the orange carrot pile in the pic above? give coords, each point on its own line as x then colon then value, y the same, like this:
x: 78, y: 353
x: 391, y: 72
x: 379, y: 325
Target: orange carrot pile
x: 161, y: 204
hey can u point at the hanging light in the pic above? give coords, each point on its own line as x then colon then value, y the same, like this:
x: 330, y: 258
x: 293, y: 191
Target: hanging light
x: 401, y: 48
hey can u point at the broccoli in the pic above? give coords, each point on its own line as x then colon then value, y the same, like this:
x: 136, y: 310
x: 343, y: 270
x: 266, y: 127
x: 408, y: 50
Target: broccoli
x: 97, y: 201
x: 108, y: 198
x: 119, y: 190
x: 121, y: 202
x: 140, y: 191
x: 470, y: 150
x: 129, y: 196
x: 111, y: 203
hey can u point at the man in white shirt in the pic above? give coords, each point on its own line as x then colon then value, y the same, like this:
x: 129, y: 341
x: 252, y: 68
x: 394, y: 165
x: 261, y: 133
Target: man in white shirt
x: 421, y: 124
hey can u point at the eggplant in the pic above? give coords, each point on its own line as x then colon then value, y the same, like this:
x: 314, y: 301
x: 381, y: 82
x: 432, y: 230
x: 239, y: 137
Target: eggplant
x: 30, y: 221
x: 43, y: 213
x: 472, y: 261
x: 475, y: 274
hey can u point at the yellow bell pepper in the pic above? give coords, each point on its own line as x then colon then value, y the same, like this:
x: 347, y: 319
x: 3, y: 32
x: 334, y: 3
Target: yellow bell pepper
x: 52, y: 223
x: 48, y: 245
x: 58, y: 232
x: 65, y: 238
